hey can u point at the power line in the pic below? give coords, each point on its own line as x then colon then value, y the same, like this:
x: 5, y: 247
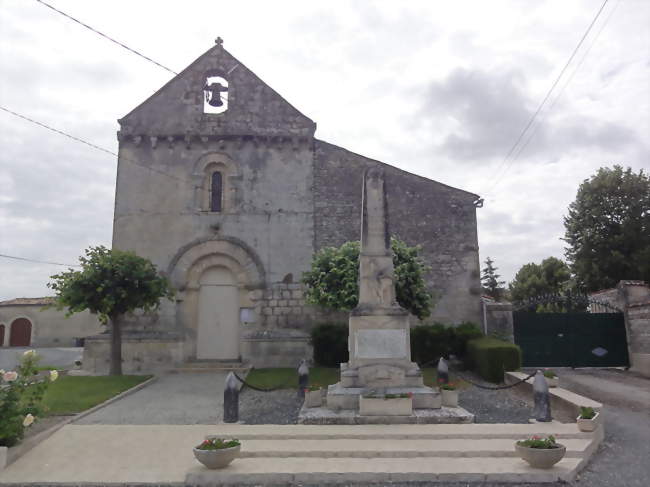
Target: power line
x: 134, y: 51
x: 37, y: 261
x: 503, y: 164
x: 58, y: 131
x: 96, y: 147
x: 571, y: 76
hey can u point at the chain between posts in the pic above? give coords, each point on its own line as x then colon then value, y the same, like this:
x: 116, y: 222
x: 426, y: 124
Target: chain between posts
x: 261, y: 389
x: 481, y: 386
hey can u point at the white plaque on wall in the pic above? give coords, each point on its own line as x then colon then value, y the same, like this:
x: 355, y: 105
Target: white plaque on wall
x: 381, y: 343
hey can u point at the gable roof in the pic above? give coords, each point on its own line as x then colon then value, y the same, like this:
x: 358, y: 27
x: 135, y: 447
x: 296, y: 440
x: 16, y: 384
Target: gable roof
x: 28, y: 301
x: 254, y: 108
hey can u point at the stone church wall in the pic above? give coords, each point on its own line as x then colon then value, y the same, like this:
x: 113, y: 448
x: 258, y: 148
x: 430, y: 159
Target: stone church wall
x: 439, y: 218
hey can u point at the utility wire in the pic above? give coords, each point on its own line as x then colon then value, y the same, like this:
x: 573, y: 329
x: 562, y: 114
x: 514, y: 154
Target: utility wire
x: 137, y: 53
x: 571, y: 76
x: 102, y: 149
x: 503, y: 164
x: 37, y: 261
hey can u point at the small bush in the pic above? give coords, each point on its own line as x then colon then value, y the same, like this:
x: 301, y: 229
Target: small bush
x: 490, y: 357
x: 330, y: 342
x: 430, y: 342
x: 465, y: 332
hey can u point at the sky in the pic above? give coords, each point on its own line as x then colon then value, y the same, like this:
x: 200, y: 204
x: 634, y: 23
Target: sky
x: 438, y: 88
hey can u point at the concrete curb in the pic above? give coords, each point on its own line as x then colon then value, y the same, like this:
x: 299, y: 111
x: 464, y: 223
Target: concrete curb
x: 14, y: 453
x: 561, y: 399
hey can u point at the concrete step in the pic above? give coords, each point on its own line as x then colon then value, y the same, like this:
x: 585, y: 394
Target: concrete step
x: 377, y: 448
x: 212, y: 366
x: 381, y: 471
x: 396, y: 432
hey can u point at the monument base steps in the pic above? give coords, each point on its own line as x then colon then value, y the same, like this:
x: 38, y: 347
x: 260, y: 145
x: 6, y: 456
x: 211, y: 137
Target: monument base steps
x: 297, y: 455
x: 383, y: 453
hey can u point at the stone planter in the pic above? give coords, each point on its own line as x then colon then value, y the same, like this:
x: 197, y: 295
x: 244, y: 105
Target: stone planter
x: 588, y: 425
x: 217, y: 458
x: 553, y: 381
x: 3, y: 456
x: 313, y: 399
x: 378, y: 406
x: 541, y: 457
x: 449, y: 398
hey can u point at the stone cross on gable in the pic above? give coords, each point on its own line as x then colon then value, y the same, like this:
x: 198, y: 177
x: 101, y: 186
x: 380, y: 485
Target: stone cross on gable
x: 376, y: 282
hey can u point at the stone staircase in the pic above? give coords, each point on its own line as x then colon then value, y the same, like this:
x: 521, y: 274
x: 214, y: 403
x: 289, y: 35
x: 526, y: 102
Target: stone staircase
x: 212, y: 366
x: 380, y: 454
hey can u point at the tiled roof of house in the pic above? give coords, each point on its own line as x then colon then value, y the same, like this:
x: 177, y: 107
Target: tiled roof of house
x: 27, y: 301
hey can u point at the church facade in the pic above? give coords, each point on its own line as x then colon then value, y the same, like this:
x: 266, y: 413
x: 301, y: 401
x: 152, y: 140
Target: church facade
x: 222, y: 184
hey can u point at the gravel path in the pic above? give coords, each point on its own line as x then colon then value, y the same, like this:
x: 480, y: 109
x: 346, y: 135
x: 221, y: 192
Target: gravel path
x: 186, y: 398
x: 282, y: 406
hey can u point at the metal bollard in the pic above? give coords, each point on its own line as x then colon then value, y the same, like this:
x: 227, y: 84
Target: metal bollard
x: 303, y: 378
x: 443, y: 371
x: 542, y: 408
x: 231, y: 399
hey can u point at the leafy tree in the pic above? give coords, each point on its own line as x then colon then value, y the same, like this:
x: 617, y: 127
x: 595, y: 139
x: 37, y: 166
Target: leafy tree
x: 490, y: 280
x: 608, y: 229
x: 110, y: 284
x: 550, y: 277
x: 333, y: 281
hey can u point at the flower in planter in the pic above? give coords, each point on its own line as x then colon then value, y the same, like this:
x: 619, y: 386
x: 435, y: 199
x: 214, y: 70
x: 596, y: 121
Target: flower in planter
x: 218, y: 444
x: 53, y: 375
x: 450, y: 386
x: 550, y: 374
x: 29, y: 353
x: 10, y: 376
x: 587, y: 412
x: 29, y: 419
x: 539, y: 442
x: 313, y: 387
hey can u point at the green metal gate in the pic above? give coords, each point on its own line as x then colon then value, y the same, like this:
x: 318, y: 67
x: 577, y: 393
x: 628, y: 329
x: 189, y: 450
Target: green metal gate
x: 571, y: 339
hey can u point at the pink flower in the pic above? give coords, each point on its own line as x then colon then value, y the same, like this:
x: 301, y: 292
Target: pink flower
x: 10, y: 376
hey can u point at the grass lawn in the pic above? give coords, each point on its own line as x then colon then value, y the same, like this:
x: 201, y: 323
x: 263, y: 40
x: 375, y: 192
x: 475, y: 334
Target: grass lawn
x: 271, y: 378
x: 73, y: 394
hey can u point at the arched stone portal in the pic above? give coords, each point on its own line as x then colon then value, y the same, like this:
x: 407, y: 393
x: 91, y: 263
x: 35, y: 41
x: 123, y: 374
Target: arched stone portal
x: 215, y: 279
x: 21, y: 333
x: 218, y: 315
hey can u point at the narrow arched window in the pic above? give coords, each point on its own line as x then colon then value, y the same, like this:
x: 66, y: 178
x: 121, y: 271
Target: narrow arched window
x: 216, y: 191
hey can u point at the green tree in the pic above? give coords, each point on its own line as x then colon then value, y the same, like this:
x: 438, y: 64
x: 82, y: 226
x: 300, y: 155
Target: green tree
x: 333, y: 281
x: 110, y: 284
x: 490, y: 280
x: 552, y: 276
x: 608, y: 229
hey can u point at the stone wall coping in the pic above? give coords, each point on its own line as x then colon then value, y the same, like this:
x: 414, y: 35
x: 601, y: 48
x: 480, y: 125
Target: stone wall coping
x: 565, y: 396
x: 500, y: 306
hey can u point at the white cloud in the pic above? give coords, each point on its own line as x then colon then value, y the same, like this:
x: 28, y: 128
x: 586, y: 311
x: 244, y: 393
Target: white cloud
x: 437, y: 88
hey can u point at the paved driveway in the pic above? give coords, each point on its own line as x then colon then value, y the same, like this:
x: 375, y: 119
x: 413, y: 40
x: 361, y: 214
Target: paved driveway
x: 181, y: 398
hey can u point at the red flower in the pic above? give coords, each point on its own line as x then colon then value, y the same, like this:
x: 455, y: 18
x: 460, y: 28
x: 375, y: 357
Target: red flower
x: 410, y: 394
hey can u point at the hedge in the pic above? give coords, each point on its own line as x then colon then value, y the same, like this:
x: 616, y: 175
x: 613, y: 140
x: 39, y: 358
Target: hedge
x: 490, y: 357
x: 330, y: 342
x: 428, y: 342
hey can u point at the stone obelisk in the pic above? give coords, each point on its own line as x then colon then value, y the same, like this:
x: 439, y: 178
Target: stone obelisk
x: 379, y: 338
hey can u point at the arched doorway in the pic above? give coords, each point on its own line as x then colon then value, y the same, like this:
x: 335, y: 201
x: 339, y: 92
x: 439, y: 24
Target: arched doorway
x: 20, y: 333
x: 2, y: 335
x: 218, y: 315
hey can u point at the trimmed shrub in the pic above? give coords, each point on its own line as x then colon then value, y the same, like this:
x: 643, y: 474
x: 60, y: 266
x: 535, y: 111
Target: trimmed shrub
x: 430, y: 342
x: 490, y: 357
x: 330, y: 342
x: 464, y: 332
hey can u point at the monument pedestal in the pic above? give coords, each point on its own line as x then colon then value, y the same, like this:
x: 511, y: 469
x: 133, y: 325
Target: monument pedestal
x: 380, y: 366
